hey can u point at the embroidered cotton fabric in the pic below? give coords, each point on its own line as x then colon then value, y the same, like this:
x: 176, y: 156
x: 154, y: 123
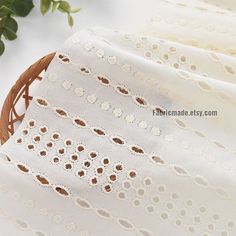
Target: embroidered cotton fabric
x: 93, y: 158
x: 208, y: 24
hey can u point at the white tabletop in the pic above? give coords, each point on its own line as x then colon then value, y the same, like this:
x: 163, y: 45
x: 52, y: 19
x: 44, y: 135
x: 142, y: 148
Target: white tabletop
x: 38, y: 35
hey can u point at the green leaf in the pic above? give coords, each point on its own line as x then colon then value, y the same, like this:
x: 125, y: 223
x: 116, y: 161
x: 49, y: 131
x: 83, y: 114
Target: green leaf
x: 7, y: 3
x: 11, y: 24
x: 2, y: 47
x: 4, y: 11
x: 23, y: 7
x: 9, y: 33
x: 55, y: 6
x: 75, y: 10
x: 70, y: 20
x: 64, y: 6
x: 45, y: 6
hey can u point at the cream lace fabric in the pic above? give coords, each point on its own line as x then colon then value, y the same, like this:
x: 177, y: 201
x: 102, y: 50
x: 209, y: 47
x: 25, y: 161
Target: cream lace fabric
x: 208, y: 24
x: 92, y: 158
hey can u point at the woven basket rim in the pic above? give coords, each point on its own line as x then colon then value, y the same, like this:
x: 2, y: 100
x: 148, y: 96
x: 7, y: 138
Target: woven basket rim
x: 21, y: 87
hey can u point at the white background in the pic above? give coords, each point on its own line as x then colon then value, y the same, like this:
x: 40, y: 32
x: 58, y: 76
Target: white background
x: 39, y: 35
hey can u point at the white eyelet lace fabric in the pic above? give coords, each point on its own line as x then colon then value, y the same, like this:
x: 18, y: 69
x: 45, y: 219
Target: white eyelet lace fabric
x: 208, y: 24
x: 91, y: 159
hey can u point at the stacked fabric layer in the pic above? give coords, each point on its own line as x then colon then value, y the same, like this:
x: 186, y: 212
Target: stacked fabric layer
x: 95, y: 154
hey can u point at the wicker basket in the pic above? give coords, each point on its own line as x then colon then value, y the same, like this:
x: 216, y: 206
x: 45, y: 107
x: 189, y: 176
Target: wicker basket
x: 18, y: 94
